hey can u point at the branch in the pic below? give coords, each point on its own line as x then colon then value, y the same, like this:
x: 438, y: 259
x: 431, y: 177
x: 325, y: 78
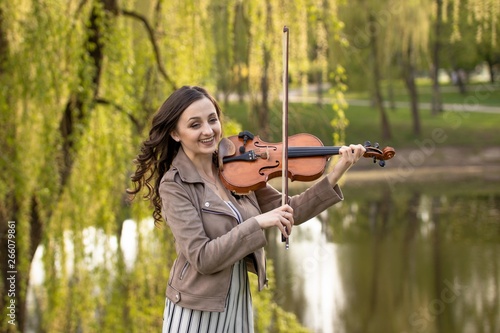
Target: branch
x: 133, y: 119
x: 156, y: 49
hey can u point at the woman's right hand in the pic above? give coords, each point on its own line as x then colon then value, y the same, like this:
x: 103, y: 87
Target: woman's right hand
x: 281, y: 217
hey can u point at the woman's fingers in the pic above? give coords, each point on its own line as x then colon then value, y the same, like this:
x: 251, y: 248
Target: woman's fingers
x: 281, y: 217
x: 352, y: 153
x: 286, y: 223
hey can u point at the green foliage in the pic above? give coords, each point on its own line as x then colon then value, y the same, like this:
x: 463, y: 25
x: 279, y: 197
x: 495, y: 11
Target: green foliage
x: 79, y: 81
x: 311, y: 118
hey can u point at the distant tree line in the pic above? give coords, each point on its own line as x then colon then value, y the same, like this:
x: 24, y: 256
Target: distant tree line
x: 79, y: 81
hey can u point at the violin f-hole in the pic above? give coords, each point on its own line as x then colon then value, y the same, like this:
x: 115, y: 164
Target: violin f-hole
x: 262, y: 173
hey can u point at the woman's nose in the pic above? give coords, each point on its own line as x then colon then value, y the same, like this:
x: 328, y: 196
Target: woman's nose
x: 207, y: 129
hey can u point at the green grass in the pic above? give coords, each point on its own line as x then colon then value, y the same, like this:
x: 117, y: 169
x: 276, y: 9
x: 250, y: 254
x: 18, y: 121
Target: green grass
x: 459, y: 128
x: 476, y: 93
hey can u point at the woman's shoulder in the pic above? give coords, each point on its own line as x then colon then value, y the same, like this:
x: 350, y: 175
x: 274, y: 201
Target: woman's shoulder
x: 169, y: 176
x: 171, y: 183
x: 174, y: 178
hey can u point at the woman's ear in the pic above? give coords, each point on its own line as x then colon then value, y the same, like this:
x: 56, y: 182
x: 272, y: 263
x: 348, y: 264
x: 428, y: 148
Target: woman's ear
x: 175, y: 136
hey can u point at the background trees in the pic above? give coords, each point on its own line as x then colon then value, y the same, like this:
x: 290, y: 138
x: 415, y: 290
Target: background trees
x: 80, y: 79
x: 416, y: 39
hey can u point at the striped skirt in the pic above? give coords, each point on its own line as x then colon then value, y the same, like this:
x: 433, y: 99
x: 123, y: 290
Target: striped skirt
x: 237, y: 317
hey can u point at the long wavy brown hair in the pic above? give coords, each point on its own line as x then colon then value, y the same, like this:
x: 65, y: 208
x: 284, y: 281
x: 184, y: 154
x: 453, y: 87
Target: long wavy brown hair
x: 159, y: 150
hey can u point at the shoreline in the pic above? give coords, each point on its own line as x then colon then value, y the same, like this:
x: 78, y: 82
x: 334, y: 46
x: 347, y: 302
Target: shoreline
x: 443, y: 164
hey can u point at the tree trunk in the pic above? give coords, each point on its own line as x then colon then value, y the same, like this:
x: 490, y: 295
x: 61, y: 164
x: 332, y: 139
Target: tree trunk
x: 437, y: 105
x: 491, y: 71
x: 390, y: 94
x: 319, y: 89
x: 263, y: 110
x: 241, y: 51
x: 409, y: 78
x: 73, y: 115
x: 390, y: 85
x: 377, y: 90
x: 8, y: 205
x: 461, y: 81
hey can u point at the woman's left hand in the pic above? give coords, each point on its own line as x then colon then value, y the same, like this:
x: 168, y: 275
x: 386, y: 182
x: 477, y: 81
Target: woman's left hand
x: 349, y: 155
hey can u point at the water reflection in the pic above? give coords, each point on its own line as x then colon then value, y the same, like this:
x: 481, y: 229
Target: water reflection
x: 422, y: 259
x: 312, y: 276
x: 419, y: 259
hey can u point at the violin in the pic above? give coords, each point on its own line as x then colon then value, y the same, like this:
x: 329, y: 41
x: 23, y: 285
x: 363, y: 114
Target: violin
x: 247, y: 163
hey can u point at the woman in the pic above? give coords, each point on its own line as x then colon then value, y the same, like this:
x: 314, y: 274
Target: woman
x: 219, y: 236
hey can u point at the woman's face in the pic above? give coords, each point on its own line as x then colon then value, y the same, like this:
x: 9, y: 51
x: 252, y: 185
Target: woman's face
x: 198, y: 129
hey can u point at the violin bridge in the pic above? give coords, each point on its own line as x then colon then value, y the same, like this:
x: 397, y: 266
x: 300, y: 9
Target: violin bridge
x: 265, y: 154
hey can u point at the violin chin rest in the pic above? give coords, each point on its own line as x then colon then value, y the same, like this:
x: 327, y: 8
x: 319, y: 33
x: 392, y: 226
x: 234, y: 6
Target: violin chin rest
x: 226, y: 148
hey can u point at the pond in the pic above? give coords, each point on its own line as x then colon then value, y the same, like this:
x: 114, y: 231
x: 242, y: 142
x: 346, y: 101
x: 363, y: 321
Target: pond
x: 399, y: 257
x: 406, y: 257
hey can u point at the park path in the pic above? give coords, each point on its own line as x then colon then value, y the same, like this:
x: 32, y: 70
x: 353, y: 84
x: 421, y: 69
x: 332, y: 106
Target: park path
x: 439, y: 163
x: 467, y: 106
x: 472, y: 103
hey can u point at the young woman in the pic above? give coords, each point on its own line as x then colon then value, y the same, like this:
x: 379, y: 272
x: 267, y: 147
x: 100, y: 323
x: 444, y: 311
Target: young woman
x: 219, y: 236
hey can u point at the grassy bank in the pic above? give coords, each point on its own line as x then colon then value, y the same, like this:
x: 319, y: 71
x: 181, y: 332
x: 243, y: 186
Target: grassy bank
x: 456, y: 128
x: 483, y: 93
x: 468, y: 129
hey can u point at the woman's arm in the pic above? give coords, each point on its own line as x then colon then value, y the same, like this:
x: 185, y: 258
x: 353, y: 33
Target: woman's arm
x: 205, y: 254
x: 348, y: 157
x: 319, y: 196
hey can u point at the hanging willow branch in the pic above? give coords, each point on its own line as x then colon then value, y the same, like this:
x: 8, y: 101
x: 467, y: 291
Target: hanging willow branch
x: 119, y: 108
x: 156, y: 48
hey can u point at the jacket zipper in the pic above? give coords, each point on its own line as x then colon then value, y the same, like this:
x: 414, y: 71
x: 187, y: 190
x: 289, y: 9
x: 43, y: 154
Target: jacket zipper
x: 184, y: 268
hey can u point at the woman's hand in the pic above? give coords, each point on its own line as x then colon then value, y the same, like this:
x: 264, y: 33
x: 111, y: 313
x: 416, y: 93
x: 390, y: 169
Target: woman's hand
x: 281, y: 217
x: 349, y: 155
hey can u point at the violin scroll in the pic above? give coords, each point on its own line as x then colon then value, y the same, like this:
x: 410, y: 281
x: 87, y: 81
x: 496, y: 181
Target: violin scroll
x: 377, y: 154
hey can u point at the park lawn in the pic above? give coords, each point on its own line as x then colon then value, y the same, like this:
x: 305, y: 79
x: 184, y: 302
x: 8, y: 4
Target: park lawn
x: 466, y: 129
x: 476, y: 93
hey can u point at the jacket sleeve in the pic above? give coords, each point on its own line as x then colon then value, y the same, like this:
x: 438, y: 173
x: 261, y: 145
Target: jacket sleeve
x: 305, y: 205
x: 206, y: 255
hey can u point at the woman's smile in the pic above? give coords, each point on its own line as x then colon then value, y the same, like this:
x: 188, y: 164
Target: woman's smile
x: 199, y: 130
x: 208, y: 141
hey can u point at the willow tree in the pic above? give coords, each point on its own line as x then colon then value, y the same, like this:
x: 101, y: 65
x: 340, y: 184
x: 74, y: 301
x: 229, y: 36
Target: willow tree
x: 366, y: 29
x: 390, y: 37
x: 313, y: 26
x: 481, y: 16
x: 80, y: 80
x: 476, y: 22
x: 407, y: 40
x: 437, y: 104
x: 324, y: 63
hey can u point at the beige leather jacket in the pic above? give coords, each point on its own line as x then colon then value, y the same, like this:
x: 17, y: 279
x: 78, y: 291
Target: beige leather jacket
x: 208, y: 238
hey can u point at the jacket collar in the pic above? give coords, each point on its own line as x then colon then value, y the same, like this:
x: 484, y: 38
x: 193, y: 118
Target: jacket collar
x: 185, y: 168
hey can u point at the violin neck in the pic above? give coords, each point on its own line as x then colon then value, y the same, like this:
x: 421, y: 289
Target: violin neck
x: 312, y: 151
